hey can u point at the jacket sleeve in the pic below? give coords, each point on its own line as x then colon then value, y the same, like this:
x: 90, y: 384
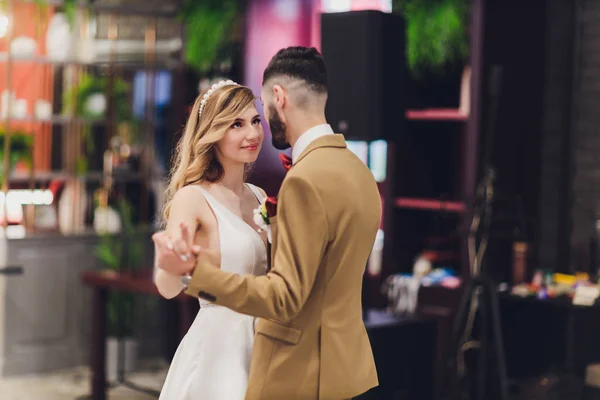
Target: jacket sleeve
x: 300, y: 243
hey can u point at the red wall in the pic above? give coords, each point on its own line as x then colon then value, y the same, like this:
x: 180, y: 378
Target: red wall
x: 272, y: 25
x: 30, y: 81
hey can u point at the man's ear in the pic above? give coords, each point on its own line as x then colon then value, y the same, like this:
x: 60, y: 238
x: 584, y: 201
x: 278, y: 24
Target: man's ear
x: 279, y: 96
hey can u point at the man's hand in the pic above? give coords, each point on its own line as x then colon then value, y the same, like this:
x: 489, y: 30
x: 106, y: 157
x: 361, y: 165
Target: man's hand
x: 176, y: 256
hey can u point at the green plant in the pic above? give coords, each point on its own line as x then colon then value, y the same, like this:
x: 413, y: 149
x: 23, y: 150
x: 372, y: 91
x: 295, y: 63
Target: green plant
x: 436, y: 33
x: 75, y: 99
x: 21, y: 146
x: 118, y: 253
x: 42, y: 11
x: 81, y: 166
x: 70, y: 8
x: 76, y: 102
x: 209, y: 25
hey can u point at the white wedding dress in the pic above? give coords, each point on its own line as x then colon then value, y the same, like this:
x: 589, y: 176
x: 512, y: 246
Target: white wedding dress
x: 212, y: 361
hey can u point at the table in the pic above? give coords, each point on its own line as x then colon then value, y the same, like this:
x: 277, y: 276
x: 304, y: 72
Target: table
x: 547, y: 335
x: 102, y: 282
x: 404, y: 347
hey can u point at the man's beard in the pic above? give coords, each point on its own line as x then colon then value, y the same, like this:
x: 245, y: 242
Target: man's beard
x: 278, y: 130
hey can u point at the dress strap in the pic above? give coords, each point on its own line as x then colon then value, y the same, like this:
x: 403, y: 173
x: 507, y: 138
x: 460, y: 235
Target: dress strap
x: 257, y: 193
x: 207, y: 196
x: 200, y: 188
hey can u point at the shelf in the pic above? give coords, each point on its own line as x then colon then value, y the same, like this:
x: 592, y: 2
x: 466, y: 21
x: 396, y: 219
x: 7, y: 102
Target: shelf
x: 166, y: 11
x: 441, y: 255
x: 65, y: 120
x: 430, y: 204
x: 92, y: 176
x: 436, y: 114
x: 55, y: 120
x: 138, y: 65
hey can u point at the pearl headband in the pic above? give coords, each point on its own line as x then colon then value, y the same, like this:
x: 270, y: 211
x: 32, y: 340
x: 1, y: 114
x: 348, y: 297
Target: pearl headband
x: 210, y: 91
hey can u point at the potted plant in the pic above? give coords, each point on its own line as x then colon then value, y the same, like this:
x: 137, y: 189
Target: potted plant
x: 87, y: 99
x: 121, y: 252
x: 437, y: 42
x: 209, y: 25
x: 21, y: 146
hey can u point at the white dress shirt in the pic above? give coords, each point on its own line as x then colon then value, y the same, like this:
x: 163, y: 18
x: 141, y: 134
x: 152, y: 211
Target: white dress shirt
x: 308, y: 137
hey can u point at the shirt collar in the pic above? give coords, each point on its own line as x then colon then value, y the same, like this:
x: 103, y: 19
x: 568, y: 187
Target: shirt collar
x: 308, y: 137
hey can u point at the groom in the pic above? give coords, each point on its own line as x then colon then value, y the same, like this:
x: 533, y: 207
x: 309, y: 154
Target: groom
x: 310, y: 341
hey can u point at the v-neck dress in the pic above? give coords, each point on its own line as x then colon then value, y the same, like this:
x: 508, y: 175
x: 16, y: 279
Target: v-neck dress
x: 212, y: 361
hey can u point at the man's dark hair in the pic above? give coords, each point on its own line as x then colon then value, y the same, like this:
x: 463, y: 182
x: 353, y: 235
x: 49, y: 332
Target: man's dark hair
x: 301, y: 63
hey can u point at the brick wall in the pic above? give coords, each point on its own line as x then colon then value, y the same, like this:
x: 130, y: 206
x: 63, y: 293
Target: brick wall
x: 553, y: 227
x: 585, y: 187
x: 570, y: 178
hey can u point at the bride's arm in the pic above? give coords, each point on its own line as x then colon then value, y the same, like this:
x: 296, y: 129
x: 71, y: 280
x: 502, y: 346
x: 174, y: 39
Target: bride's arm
x: 168, y: 285
x: 302, y: 238
x: 184, y: 209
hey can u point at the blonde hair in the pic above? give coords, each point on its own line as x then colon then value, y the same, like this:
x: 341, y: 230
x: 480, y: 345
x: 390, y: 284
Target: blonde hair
x: 195, y: 156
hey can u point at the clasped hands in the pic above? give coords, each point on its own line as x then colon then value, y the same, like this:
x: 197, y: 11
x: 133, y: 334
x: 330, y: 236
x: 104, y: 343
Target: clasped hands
x: 179, y: 255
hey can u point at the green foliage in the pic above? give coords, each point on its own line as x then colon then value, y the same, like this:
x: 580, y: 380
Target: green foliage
x: 70, y: 9
x: 41, y: 16
x: 81, y: 166
x: 21, y: 146
x: 119, y: 253
x: 208, y: 24
x: 436, y: 33
x: 75, y: 98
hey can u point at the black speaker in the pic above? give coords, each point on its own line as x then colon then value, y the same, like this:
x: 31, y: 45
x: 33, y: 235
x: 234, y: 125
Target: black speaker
x: 365, y: 56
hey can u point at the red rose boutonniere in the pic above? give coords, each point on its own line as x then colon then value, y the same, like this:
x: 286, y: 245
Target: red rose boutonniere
x: 263, y: 213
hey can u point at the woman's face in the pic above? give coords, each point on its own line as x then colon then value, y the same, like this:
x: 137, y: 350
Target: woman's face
x: 243, y: 140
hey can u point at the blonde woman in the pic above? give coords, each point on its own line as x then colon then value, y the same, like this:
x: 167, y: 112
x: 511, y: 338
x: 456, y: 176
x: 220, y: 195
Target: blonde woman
x: 209, y: 205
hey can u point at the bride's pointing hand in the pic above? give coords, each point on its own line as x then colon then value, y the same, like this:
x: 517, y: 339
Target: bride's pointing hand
x: 176, y: 256
x: 196, y: 252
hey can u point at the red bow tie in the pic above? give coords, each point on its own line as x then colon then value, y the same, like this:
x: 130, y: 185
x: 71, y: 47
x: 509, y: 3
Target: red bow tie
x: 286, y: 161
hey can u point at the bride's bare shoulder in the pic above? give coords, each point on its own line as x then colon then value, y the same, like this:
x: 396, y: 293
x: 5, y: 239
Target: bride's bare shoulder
x: 190, y: 198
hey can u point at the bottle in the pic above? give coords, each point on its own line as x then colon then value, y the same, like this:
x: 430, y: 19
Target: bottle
x: 519, y: 269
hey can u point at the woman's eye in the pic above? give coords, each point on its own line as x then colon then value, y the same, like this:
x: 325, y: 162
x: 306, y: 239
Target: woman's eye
x: 236, y: 125
x: 256, y: 121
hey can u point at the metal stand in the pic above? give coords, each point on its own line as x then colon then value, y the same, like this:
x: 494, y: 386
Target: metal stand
x: 489, y: 333
x: 478, y: 311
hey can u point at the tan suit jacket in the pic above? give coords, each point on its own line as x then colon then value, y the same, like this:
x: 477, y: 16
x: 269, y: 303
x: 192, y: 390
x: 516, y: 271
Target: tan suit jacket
x: 311, y: 342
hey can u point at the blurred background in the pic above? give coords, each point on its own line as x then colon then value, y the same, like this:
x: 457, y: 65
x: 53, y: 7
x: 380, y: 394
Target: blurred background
x: 478, y: 119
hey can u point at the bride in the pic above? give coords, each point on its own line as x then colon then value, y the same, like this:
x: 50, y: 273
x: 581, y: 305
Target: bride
x: 210, y: 205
